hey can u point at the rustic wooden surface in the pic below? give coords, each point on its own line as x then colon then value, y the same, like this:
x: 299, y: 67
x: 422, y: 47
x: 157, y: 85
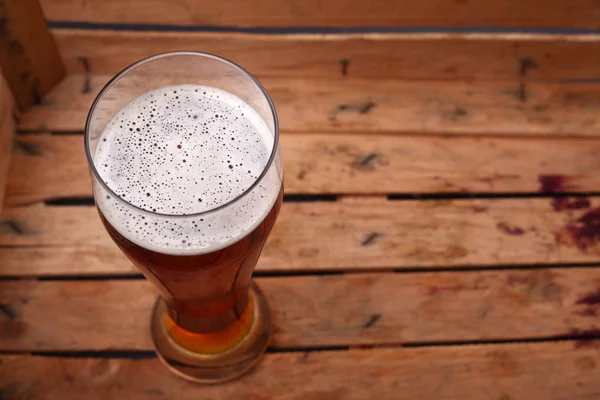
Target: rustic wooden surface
x: 29, y: 57
x: 322, y: 311
x: 390, y: 106
x: 439, y: 236
x: 373, y: 55
x: 503, y: 372
x: 363, y: 236
x: 7, y: 131
x: 47, y: 166
x: 337, y: 13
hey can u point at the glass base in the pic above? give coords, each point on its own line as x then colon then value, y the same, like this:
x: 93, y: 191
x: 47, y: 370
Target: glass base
x: 212, y: 360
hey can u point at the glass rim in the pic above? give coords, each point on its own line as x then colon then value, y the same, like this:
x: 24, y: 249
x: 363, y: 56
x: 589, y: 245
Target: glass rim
x: 115, y: 78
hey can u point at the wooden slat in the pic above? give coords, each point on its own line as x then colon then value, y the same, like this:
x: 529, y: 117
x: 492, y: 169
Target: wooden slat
x: 329, y: 105
x: 540, y: 371
x: 344, y: 310
x: 29, y: 57
x: 7, y: 131
x: 403, y: 13
x: 413, y: 56
x: 46, y: 166
x: 394, y: 234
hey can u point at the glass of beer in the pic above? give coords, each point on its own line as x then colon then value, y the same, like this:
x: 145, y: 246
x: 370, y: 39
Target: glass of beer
x: 186, y: 173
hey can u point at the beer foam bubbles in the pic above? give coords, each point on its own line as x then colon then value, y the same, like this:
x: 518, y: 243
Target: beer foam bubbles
x: 183, y: 150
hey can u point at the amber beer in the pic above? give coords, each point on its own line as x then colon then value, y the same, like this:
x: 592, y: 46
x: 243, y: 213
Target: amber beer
x: 187, y: 178
x: 207, y: 294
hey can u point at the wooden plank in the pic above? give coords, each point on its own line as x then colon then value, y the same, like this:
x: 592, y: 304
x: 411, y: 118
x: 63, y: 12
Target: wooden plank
x: 49, y: 166
x: 316, y: 105
x: 536, y: 371
x: 378, y: 56
x: 28, y: 54
x: 341, y: 310
x: 336, y: 13
x: 7, y: 131
x: 360, y: 236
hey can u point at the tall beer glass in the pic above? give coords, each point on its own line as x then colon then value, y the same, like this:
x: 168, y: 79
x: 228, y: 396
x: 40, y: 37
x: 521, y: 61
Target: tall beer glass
x: 186, y: 170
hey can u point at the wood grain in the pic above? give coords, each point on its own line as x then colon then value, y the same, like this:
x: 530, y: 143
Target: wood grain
x: 48, y: 166
x: 536, y: 371
x: 341, y: 310
x: 360, y: 236
x: 317, y: 105
x: 29, y: 57
x: 7, y: 131
x: 377, y: 56
x: 402, y: 13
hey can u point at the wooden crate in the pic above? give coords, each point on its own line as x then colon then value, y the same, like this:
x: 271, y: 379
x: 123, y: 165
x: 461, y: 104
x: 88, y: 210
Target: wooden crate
x: 439, y: 234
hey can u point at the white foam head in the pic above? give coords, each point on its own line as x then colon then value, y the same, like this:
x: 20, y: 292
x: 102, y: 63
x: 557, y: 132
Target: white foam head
x: 179, y: 151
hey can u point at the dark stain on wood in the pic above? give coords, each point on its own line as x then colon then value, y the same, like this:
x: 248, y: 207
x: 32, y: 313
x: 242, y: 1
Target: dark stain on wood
x: 87, y: 83
x: 360, y: 108
x: 460, y: 111
x: 586, y: 337
x: 590, y: 299
x: 512, y: 230
x: 553, y: 183
x: 372, y: 320
x: 564, y: 203
x: 371, y: 238
x: 12, y: 227
x: 479, y: 208
x: 367, y: 162
x: 582, y: 232
x: 301, y: 175
x: 588, y: 312
x: 558, y: 184
x: 525, y: 65
x: 344, y: 63
x: 27, y: 148
x: 9, y: 311
x: 366, y: 107
x: 368, y: 159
